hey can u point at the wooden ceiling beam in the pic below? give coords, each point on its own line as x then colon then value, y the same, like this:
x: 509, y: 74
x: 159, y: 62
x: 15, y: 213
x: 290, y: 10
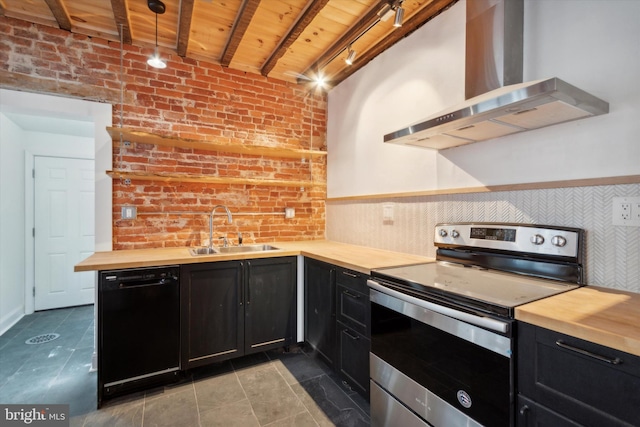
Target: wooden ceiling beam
x: 417, y: 20
x: 60, y: 14
x: 371, y: 18
x: 184, y: 26
x: 121, y: 15
x: 314, y: 7
x: 243, y: 19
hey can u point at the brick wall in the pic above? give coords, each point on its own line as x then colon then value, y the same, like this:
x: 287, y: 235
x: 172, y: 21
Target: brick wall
x: 189, y: 99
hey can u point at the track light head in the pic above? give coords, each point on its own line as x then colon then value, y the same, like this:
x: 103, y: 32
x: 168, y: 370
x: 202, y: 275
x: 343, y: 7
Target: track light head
x: 399, y: 16
x: 351, y: 56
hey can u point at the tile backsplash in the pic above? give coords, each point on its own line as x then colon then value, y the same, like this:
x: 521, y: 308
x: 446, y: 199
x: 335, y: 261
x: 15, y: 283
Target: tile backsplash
x: 612, y: 257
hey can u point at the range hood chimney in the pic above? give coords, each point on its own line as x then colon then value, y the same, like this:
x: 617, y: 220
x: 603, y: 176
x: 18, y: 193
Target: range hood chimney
x: 498, y: 102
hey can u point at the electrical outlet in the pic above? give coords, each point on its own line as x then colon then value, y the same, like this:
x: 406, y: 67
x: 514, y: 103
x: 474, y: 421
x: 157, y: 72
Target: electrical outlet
x: 626, y: 211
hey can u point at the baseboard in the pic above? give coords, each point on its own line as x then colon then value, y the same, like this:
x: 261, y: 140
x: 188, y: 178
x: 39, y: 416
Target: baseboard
x: 11, y: 319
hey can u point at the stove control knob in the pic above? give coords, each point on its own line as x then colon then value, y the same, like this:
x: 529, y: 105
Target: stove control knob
x: 537, y: 239
x: 455, y: 234
x: 558, y: 241
x: 443, y: 232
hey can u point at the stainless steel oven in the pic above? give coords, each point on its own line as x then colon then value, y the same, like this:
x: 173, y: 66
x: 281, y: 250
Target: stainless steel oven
x: 443, y: 333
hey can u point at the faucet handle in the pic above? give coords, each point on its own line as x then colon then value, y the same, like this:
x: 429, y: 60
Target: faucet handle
x: 239, y: 239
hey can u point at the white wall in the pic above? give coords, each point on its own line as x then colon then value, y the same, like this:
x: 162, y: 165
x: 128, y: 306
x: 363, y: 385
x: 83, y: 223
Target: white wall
x: 17, y: 149
x: 592, y: 44
x: 11, y: 224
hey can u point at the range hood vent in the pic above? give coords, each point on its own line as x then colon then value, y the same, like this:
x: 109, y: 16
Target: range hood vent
x: 506, y: 106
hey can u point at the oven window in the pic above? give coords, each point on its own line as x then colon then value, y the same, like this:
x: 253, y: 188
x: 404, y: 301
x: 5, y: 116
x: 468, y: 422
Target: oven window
x: 445, y: 365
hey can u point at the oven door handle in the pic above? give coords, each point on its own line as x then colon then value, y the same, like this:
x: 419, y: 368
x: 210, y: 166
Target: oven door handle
x: 484, y: 322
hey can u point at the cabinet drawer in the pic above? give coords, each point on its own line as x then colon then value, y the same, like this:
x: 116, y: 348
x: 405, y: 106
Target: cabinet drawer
x: 588, y: 383
x: 353, y: 358
x: 352, y: 280
x: 353, y: 309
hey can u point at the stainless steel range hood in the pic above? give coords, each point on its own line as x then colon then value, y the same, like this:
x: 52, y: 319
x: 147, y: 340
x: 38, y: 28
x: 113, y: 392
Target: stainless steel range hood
x: 494, y: 61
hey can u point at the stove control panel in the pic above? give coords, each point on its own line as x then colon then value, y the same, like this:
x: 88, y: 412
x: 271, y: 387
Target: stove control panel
x: 525, y: 238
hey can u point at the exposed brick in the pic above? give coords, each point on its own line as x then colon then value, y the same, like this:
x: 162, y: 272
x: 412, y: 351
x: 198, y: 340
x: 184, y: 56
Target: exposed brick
x: 196, y: 100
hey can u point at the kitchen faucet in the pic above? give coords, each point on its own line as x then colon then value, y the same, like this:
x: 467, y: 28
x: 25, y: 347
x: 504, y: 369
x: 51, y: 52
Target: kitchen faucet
x: 211, y: 222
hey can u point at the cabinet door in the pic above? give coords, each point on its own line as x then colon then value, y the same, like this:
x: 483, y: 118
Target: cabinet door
x: 212, y: 315
x: 319, y: 308
x: 270, y: 303
x: 588, y: 383
x: 353, y: 360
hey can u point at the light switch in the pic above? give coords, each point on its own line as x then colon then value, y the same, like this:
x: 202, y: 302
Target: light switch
x: 387, y: 213
x: 129, y: 212
x: 289, y: 213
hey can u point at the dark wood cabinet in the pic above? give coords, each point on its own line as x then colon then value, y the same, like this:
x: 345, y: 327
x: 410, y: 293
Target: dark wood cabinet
x: 319, y: 309
x: 353, y: 358
x: 337, y: 324
x: 579, y: 382
x: 233, y: 308
x: 270, y: 303
x: 530, y: 414
x: 353, y: 328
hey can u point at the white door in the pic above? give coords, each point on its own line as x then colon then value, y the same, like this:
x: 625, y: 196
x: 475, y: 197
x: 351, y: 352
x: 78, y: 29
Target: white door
x: 64, y: 231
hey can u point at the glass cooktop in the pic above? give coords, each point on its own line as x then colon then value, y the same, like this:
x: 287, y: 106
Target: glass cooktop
x: 489, y: 286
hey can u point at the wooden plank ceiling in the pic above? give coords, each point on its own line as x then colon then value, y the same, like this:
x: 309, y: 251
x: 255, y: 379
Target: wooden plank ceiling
x: 291, y: 40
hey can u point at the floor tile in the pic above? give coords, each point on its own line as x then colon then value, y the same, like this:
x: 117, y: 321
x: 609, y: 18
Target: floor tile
x: 327, y: 403
x: 298, y: 367
x: 218, y: 390
x: 303, y: 419
x: 27, y: 386
x: 177, y: 408
x: 126, y: 414
x: 271, y: 397
x: 236, y: 414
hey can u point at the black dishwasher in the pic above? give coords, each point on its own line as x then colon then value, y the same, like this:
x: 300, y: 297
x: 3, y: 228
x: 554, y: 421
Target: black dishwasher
x: 138, y: 329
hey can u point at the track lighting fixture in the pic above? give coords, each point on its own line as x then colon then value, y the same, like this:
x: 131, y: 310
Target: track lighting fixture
x: 351, y: 56
x: 158, y: 8
x: 399, y: 16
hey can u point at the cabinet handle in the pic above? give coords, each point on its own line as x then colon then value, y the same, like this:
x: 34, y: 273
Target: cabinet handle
x: 612, y: 361
x: 349, y: 294
x: 350, y: 335
x: 242, y: 284
x: 248, y: 282
x: 346, y: 273
x: 524, y: 413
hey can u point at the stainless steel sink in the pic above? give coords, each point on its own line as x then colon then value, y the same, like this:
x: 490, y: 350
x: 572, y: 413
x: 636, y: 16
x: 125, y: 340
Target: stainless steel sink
x: 245, y: 248
x: 231, y: 249
x: 202, y: 251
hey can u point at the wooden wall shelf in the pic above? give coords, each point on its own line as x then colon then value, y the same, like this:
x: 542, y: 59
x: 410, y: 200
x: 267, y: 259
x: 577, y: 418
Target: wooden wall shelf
x: 146, y: 176
x: 252, y: 150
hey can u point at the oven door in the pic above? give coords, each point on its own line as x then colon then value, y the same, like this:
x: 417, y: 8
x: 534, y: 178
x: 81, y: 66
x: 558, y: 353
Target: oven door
x: 448, y: 371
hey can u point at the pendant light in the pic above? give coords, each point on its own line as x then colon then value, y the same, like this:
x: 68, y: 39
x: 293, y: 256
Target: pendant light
x: 158, y: 8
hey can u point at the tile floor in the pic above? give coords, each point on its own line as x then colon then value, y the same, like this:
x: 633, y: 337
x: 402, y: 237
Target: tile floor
x: 266, y: 389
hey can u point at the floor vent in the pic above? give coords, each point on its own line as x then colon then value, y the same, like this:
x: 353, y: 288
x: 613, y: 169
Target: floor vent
x: 41, y: 339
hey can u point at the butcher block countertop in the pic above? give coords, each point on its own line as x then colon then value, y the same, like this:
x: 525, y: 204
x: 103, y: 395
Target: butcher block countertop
x: 357, y: 258
x: 604, y: 316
